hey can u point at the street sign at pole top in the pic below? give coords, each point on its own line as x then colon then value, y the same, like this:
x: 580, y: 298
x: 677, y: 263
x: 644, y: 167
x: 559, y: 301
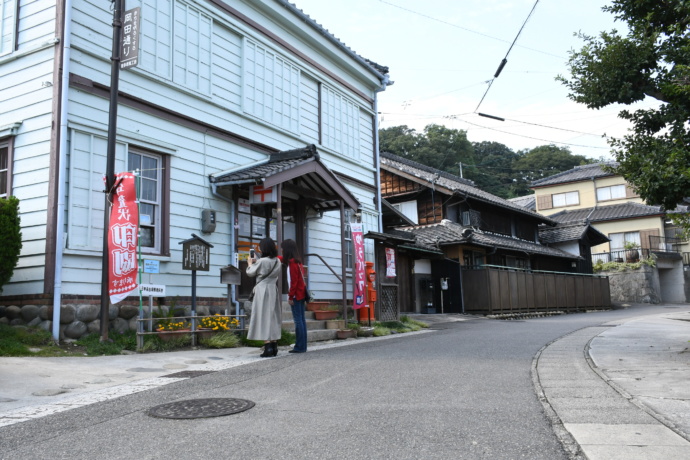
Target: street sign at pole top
x: 129, y: 46
x: 196, y: 254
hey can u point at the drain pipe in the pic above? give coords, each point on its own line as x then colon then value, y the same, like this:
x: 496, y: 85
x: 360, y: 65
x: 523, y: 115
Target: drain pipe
x: 384, y: 83
x: 233, y: 288
x: 62, y: 170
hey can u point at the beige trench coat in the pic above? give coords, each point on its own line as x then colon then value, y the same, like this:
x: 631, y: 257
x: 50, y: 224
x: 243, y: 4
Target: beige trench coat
x: 266, y: 319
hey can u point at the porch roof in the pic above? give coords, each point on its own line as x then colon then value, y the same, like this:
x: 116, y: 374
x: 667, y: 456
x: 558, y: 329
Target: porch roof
x: 449, y: 233
x: 571, y: 232
x: 301, y: 173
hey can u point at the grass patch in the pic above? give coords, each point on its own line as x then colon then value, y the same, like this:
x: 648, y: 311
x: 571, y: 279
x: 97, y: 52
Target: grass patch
x: 286, y: 338
x: 222, y: 340
x: 28, y: 341
x: 409, y: 321
x: 380, y: 331
x: 117, y: 342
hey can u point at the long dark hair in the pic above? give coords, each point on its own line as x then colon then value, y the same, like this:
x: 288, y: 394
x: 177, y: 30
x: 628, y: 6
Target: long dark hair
x: 290, y: 251
x: 268, y: 248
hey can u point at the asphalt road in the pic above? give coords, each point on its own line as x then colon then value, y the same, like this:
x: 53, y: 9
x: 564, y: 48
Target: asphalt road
x: 461, y: 391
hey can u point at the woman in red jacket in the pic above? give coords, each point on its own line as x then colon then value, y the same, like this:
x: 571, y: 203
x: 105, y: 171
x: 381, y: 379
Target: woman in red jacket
x: 297, y: 293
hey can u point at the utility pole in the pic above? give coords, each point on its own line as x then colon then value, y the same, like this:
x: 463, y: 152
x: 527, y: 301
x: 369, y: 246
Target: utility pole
x: 110, y: 163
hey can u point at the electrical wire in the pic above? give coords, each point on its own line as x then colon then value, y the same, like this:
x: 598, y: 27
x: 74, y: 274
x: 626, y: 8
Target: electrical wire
x: 504, y: 61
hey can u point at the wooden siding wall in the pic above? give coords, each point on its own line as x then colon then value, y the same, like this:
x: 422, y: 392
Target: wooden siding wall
x: 26, y: 97
x: 430, y: 209
x: 193, y: 154
x: 392, y: 184
x: 492, y: 292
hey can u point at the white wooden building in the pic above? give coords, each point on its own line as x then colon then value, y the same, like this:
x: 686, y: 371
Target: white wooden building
x: 221, y: 87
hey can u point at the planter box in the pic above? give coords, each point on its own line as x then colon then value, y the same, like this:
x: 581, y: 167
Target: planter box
x: 325, y: 314
x: 169, y: 335
x: 205, y: 333
x: 365, y: 332
x: 335, y: 324
x: 429, y: 310
x: 317, y: 305
x: 346, y: 333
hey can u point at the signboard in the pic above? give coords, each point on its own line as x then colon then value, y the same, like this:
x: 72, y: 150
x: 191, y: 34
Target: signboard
x: 129, y: 47
x: 122, y: 238
x: 258, y: 194
x: 153, y: 290
x: 390, y: 263
x: 152, y: 266
x: 359, y: 278
x: 196, y: 254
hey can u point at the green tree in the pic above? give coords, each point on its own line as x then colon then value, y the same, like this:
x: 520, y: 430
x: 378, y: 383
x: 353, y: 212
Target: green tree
x: 651, y: 60
x: 546, y: 160
x: 493, y: 169
x: 10, y: 238
x: 438, y: 147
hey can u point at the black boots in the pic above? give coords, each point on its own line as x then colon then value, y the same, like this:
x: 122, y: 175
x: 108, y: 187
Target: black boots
x: 270, y: 350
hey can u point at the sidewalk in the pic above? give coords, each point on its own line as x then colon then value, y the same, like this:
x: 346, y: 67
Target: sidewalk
x: 620, y: 390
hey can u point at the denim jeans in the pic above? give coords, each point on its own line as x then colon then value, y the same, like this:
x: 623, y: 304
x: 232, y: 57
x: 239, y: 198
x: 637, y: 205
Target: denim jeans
x: 300, y: 325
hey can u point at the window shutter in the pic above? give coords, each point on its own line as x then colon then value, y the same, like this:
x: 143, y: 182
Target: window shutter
x: 544, y: 202
x: 644, y: 237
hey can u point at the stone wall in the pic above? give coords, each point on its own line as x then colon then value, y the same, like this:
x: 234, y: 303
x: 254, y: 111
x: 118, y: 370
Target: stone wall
x: 635, y: 286
x: 77, y: 320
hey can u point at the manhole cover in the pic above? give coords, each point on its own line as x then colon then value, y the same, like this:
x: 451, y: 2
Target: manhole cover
x: 187, y: 374
x: 200, y: 408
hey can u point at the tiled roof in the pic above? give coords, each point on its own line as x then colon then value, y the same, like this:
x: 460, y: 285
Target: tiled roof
x: 378, y: 68
x: 451, y: 182
x: 527, y: 201
x: 571, y: 232
x: 578, y: 173
x: 604, y: 213
x: 276, y: 163
x: 450, y: 233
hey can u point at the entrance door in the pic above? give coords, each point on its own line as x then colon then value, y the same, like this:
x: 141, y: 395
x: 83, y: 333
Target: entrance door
x: 451, y: 297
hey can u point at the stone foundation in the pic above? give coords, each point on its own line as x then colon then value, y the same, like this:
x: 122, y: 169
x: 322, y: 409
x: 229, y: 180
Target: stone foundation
x: 83, y: 317
x: 635, y: 286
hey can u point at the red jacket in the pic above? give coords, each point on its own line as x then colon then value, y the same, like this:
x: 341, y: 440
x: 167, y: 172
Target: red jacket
x: 298, y: 290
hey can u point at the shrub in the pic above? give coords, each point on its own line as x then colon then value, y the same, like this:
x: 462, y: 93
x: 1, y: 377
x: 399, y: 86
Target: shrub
x: 10, y: 238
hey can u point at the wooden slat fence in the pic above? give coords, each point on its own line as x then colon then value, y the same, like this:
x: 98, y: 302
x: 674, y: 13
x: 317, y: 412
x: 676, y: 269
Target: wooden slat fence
x: 491, y: 291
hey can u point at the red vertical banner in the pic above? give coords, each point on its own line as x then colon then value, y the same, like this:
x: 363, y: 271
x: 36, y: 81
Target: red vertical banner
x: 122, y: 238
x: 390, y: 263
x: 359, y: 291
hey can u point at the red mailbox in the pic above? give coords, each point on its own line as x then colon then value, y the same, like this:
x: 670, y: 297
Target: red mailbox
x: 366, y: 313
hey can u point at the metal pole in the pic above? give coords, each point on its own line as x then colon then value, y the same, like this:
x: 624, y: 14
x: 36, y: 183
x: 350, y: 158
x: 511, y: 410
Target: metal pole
x: 193, y: 308
x: 110, y: 162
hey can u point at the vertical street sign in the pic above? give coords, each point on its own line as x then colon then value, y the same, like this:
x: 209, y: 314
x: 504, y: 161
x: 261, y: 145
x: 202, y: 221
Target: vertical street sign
x: 129, y: 47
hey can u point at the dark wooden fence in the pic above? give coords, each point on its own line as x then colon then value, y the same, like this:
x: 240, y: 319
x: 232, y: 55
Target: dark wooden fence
x: 494, y: 290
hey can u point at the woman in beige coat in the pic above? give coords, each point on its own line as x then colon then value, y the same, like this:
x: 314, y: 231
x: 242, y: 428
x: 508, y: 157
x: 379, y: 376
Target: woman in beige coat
x: 266, y: 319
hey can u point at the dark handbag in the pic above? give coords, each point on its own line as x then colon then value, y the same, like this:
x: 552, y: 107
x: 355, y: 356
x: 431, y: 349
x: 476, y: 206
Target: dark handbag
x: 310, y: 295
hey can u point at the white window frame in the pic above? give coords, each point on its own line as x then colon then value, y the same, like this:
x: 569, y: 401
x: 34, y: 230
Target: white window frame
x: 8, y: 24
x: 156, y: 202
x: 171, y: 31
x: 339, y: 123
x: 271, y: 87
x: 612, y: 192
x: 560, y: 200
x: 408, y: 209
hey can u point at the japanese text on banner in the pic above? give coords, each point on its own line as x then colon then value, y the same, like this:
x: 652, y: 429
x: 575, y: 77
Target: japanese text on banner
x: 359, y: 290
x: 122, y: 238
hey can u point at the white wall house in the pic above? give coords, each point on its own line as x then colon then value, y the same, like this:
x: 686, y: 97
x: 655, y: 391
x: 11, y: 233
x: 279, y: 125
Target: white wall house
x: 220, y: 87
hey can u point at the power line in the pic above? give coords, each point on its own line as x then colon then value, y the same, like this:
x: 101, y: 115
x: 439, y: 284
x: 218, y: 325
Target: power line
x: 466, y: 29
x: 504, y: 61
x: 530, y: 137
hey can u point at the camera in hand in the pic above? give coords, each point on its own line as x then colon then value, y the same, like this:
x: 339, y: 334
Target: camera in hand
x: 252, y: 254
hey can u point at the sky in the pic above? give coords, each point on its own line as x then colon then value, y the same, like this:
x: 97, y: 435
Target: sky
x: 442, y: 54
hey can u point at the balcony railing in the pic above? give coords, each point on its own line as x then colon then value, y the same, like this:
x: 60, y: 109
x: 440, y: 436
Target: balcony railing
x: 622, y: 255
x: 664, y: 244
